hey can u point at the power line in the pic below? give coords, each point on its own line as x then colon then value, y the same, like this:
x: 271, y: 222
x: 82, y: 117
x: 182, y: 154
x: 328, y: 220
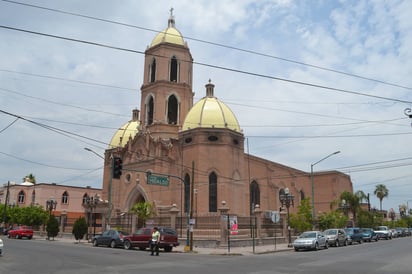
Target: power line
x: 215, y: 44
x: 212, y: 66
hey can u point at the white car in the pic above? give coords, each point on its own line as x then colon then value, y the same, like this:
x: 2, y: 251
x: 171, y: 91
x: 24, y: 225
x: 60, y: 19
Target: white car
x: 383, y: 232
x: 1, y: 247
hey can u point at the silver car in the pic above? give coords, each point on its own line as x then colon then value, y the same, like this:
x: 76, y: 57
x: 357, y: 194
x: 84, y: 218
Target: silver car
x: 310, y: 240
x: 336, y: 237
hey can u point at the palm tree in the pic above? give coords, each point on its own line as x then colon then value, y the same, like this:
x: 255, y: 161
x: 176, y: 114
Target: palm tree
x: 381, y: 192
x: 361, y: 196
x: 30, y: 178
x: 351, y: 202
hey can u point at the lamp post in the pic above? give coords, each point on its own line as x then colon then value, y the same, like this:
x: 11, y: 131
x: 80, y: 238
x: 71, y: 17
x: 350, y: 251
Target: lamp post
x: 51, y: 205
x: 286, y: 199
x: 90, y: 203
x: 313, y: 185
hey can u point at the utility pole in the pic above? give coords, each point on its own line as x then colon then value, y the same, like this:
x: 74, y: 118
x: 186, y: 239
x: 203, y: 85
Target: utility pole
x: 192, y: 188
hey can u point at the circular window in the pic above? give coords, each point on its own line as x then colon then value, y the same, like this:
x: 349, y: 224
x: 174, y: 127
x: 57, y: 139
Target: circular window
x: 235, y: 141
x: 212, y: 138
x: 188, y: 140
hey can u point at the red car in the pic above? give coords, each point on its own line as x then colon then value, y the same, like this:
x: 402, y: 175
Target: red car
x: 19, y: 232
x: 142, y: 237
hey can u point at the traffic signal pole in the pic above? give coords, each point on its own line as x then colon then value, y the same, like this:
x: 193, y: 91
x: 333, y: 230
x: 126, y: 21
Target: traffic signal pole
x: 109, y: 210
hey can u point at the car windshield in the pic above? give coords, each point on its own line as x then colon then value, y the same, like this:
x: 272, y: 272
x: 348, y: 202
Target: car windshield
x: 330, y: 232
x: 308, y: 235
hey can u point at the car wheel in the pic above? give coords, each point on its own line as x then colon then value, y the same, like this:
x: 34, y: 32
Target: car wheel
x: 127, y: 245
x: 296, y: 249
x: 345, y: 243
x: 94, y: 242
x: 316, y: 246
x: 113, y: 244
x: 337, y: 243
x: 326, y: 245
x: 168, y: 248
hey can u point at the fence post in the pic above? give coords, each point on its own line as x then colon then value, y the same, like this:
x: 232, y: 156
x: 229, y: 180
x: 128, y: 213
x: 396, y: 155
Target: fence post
x: 258, y: 215
x: 224, y: 209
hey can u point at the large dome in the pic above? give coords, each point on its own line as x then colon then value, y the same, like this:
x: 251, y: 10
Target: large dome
x: 210, y: 112
x: 128, y: 130
x: 169, y: 35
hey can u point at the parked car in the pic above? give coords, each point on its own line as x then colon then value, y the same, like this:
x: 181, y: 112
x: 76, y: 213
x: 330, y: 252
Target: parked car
x: 141, y: 239
x: 336, y: 237
x: 111, y: 238
x: 383, y: 232
x: 353, y: 234
x: 19, y: 232
x: 369, y: 235
x: 1, y: 247
x: 311, y: 240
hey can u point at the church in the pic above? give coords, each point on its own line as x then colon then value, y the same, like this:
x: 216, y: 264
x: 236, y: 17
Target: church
x: 191, y: 155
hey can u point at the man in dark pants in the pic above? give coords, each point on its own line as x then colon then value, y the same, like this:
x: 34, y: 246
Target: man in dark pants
x: 154, y: 244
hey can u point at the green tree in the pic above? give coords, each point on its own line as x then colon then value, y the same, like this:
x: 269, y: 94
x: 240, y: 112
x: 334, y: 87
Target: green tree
x: 352, y: 202
x: 369, y: 218
x: 302, y: 220
x: 52, y: 227
x: 381, y: 192
x: 334, y: 219
x: 79, y: 228
x: 31, y: 178
x: 143, y: 211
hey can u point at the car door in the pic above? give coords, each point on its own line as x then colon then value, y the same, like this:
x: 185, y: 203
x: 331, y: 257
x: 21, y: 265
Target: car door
x: 321, y: 239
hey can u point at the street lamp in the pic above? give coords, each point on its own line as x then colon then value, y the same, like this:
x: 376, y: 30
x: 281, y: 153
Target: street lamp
x: 313, y: 185
x: 94, y: 152
x: 286, y: 199
x: 408, y: 112
x: 90, y: 203
x: 51, y: 205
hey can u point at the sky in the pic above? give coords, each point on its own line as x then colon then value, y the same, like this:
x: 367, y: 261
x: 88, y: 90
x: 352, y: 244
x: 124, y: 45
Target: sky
x: 304, y: 78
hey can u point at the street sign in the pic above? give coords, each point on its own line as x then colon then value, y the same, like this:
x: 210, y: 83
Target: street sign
x: 157, y: 180
x: 275, y: 216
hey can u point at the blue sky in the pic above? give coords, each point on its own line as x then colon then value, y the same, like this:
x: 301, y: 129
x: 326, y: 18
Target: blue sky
x: 361, y: 49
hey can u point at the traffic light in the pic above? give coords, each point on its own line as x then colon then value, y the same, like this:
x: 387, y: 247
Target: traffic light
x: 117, y: 167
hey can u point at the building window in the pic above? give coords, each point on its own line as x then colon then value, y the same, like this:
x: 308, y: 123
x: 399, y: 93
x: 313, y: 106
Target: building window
x: 302, y: 195
x: 254, y: 195
x: 173, y: 69
x: 172, y: 108
x: 153, y: 71
x: 150, y: 110
x: 65, y: 198
x: 21, y: 197
x: 187, y: 192
x: 212, y: 192
x: 33, y: 197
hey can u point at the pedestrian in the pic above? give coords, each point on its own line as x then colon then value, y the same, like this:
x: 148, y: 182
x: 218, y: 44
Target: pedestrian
x: 154, y: 245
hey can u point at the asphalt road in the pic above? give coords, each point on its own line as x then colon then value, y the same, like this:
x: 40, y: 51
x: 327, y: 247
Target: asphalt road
x: 40, y: 256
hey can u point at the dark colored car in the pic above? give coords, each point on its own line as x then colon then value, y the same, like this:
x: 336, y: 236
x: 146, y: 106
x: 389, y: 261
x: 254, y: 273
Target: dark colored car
x: 369, y: 235
x: 141, y: 239
x: 19, y: 232
x: 111, y: 238
x: 353, y: 234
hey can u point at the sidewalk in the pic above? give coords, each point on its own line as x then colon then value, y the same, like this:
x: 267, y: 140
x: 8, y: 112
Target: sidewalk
x: 233, y: 251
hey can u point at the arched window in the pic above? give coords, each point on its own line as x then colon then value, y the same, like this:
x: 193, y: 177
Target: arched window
x: 187, y: 192
x: 212, y: 192
x: 173, y: 69
x: 172, y: 108
x: 21, y: 197
x: 65, y: 198
x: 302, y: 195
x: 33, y: 197
x: 150, y: 110
x: 153, y: 71
x: 254, y: 195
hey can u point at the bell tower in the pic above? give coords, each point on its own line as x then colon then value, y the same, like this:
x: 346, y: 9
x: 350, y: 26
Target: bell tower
x: 166, y: 93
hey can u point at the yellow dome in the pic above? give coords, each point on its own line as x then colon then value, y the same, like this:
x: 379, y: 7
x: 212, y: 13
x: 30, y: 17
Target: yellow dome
x: 210, y: 112
x: 130, y: 129
x: 169, y: 35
